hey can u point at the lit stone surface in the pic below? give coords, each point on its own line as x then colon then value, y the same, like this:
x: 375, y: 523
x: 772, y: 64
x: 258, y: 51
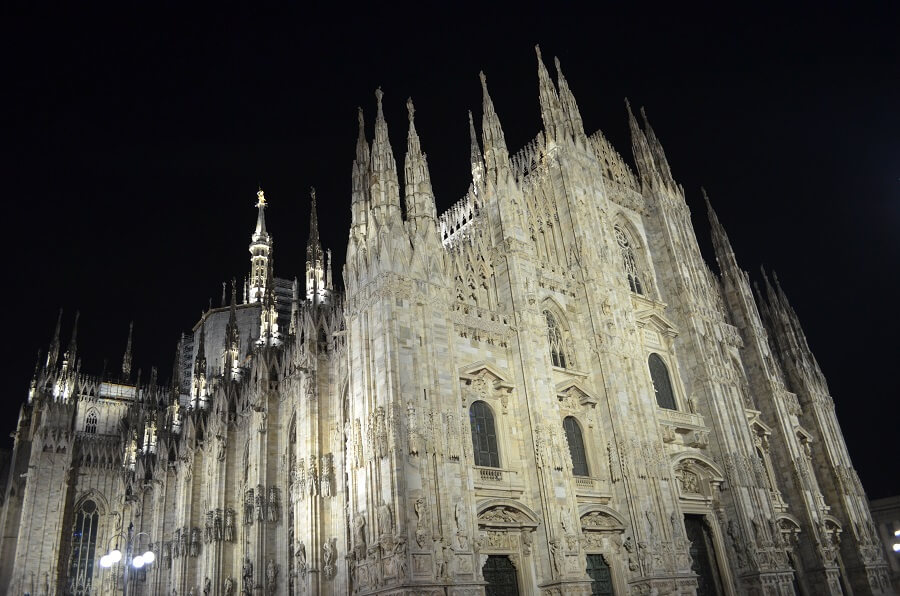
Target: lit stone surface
x: 417, y: 433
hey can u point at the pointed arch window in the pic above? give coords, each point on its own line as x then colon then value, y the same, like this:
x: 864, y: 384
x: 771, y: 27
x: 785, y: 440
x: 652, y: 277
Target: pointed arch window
x: 84, y: 546
x: 576, y: 446
x: 90, y: 422
x: 629, y: 262
x: 484, y: 435
x: 555, y: 337
x: 662, y: 385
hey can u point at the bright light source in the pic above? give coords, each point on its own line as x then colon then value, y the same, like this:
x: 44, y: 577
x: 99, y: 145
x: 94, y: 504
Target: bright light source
x: 896, y: 532
x: 897, y: 547
x: 149, y: 557
x: 115, y: 556
x: 105, y: 562
x: 138, y: 562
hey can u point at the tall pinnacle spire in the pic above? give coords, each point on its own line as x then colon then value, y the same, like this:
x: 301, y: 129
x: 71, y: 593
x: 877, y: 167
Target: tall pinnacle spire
x: 126, y: 359
x: 231, y: 366
x: 639, y: 146
x: 659, y: 156
x: 359, y: 208
x: 260, y: 252
x: 53, y: 351
x: 315, y: 257
x: 198, y: 385
x: 69, y: 356
x: 419, y: 195
x: 385, y: 193
x: 496, y: 155
x: 721, y: 244
x: 475, y: 157
x: 551, y: 111
x: 567, y: 100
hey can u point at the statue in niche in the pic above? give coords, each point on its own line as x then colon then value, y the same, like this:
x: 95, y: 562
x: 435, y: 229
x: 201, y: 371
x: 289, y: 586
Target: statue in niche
x: 271, y: 576
x: 208, y: 530
x: 229, y: 586
x: 302, y: 565
x: 313, y: 484
x: 207, y: 586
x: 325, y: 478
x: 272, y: 508
x: 565, y: 520
x: 248, y: 506
x: 229, y: 525
x: 247, y: 577
x: 381, y: 443
x: 195, y: 542
x: 301, y: 479
x: 384, y: 519
x: 328, y: 556
x: 359, y: 536
x: 421, y: 508
x: 260, y: 503
x: 462, y: 536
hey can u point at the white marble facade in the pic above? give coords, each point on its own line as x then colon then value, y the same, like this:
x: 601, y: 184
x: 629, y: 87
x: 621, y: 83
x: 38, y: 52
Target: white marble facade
x: 545, y: 386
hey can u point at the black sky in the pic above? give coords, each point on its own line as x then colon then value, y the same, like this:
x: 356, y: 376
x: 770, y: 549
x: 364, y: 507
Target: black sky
x: 133, y: 147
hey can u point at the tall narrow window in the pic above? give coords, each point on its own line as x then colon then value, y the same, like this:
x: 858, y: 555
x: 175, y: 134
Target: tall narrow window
x: 576, y: 446
x: 628, y: 260
x: 484, y: 435
x: 84, y: 544
x: 555, y: 337
x: 90, y: 422
x: 661, y: 383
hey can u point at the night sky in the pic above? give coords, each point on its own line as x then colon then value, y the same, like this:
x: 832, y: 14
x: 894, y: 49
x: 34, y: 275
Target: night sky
x: 133, y: 146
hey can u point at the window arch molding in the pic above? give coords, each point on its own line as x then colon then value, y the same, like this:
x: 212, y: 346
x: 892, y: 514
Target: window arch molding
x: 559, y: 336
x: 661, y: 380
x: 85, y: 543
x: 632, y: 257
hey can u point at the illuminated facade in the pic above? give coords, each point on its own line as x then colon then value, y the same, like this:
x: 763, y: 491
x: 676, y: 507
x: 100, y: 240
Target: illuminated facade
x: 544, y: 390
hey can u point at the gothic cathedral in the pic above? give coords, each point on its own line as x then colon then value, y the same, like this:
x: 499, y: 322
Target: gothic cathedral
x: 544, y: 390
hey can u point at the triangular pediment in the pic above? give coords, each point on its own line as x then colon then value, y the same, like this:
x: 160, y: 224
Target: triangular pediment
x: 576, y: 392
x: 652, y: 318
x: 486, y: 372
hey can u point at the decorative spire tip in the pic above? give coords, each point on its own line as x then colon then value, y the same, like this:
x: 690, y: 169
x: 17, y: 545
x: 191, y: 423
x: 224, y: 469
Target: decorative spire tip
x: 410, y: 108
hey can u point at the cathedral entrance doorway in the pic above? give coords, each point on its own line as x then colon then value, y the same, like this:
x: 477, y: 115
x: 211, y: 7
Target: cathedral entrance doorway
x: 703, y: 556
x: 601, y: 577
x: 500, y: 575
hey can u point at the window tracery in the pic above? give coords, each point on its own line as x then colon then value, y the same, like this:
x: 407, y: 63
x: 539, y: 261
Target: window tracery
x: 84, y: 546
x: 90, y: 422
x: 629, y: 262
x: 561, y: 345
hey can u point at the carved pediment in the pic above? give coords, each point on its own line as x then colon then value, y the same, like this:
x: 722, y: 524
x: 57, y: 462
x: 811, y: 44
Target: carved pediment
x: 574, y: 394
x: 505, y: 513
x: 482, y: 380
x: 599, y: 518
x: 653, y: 319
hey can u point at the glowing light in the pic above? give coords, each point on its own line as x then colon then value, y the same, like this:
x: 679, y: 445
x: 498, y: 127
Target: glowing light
x: 105, y: 562
x: 138, y: 562
x: 149, y: 557
x: 115, y: 556
x: 897, y: 547
x: 896, y: 532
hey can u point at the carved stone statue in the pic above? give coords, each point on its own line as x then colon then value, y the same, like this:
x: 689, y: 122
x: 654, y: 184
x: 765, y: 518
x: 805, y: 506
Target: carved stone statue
x: 248, y: 506
x: 313, y: 484
x: 207, y: 586
x: 260, y: 503
x: 272, y: 508
x: 301, y: 479
x: 195, y: 542
x: 208, y: 529
x: 359, y: 535
x: 229, y: 526
x: 302, y: 565
x: 328, y: 556
x: 229, y: 586
x: 271, y: 576
x: 325, y: 479
x: 247, y: 577
x: 384, y: 519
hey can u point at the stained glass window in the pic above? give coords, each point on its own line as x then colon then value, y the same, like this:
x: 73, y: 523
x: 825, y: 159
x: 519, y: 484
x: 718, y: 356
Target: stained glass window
x: 90, y: 422
x: 84, y: 544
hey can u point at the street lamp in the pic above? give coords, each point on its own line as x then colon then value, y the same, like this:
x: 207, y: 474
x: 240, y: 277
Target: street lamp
x: 115, y: 555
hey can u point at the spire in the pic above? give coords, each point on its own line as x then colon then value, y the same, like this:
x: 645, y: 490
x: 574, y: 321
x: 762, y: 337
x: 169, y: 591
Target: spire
x: 260, y: 252
x: 475, y: 157
x: 640, y: 148
x: 569, y: 105
x: 176, y: 369
x: 53, y: 351
x: 69, y: 356
x: 198, y: 385
x: 231, y: 366
x: 659, y: 156
x: 419, y: 195
x: 359, y: 208
x: 496, y: 155
x: 551, y: 111
x: 126, y: 359
x: 385, y: 189
x: 315, y: 258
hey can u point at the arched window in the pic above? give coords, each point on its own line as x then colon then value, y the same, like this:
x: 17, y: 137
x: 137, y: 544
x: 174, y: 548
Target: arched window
x: 90, y: 422
x: 555, y: 337
x: 84, y: 545
x: 665, y: 398
x: 484, y: 435
x: 628, y: 260
x: 576, y: 446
